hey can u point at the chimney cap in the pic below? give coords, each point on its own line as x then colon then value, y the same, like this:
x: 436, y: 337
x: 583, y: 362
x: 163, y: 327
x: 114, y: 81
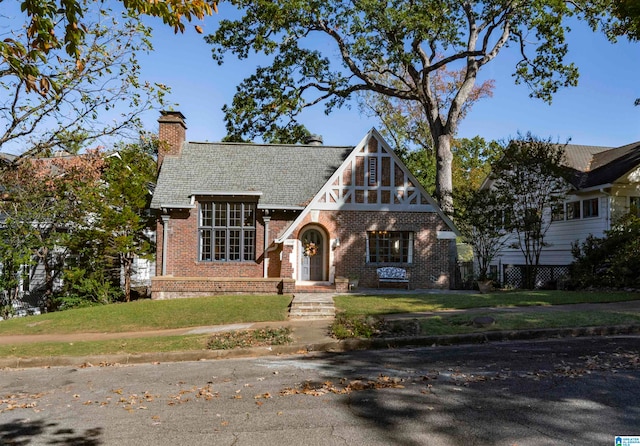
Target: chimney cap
x: 313, y: 140
x: 176, y: 114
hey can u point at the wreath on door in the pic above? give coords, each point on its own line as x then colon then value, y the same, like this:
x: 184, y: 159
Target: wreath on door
x: 310, y: 248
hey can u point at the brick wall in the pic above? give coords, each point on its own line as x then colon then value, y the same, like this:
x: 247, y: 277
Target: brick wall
x: 430, y: 267
x: 188, y: 277
x: 179, y: 287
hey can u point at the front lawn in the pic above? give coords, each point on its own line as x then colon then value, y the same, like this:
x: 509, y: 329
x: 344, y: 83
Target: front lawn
x: 113, y: 346
x: 145, y: 315
x: 463, y: 323
x: 374, y: 305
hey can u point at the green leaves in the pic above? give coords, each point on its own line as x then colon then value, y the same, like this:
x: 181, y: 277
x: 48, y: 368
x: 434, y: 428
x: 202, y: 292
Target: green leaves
x: 50, y: 96
x: 530, y: 180
x: 324, y: 52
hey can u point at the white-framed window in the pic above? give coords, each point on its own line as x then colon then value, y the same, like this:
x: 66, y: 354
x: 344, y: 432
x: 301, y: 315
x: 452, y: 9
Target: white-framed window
x: 373, y: 170
x: 573, y: 210
x: 227, y: 232
x: 390, y: 247
x: 590, y: 208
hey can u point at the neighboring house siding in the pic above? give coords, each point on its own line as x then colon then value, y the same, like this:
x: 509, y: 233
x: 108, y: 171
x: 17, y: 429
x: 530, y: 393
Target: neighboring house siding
x: 562, y: 234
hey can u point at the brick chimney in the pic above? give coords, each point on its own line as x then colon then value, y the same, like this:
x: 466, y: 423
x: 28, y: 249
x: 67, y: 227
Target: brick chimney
x: 172, y: 134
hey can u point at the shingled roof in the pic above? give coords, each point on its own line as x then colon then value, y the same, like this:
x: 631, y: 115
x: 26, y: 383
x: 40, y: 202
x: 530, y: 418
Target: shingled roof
x: 286, y: 176
x: 596, y: 166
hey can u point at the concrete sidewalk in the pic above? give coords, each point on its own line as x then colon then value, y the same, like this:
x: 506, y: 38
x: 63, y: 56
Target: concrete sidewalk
x: 311, y: 336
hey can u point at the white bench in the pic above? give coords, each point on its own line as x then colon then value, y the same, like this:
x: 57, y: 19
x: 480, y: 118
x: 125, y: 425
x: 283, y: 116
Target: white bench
x: 392, y: 274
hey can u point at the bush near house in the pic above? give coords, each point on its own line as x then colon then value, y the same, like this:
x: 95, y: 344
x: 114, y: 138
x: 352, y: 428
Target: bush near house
x: 612, y: 261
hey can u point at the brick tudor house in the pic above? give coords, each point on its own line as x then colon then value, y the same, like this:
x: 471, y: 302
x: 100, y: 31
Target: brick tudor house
x: 267, y: 218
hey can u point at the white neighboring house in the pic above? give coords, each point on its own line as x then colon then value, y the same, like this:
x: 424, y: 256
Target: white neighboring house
x: 606, y: 185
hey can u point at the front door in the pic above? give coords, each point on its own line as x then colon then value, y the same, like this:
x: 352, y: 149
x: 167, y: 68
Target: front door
x: 312, y: 256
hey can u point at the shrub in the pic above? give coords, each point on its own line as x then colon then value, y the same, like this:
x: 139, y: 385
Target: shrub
x: 612, y: 261
x: 345, y: 326
x: 249, y: 338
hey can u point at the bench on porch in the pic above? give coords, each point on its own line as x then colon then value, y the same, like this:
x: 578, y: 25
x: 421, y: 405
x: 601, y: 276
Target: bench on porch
x: 392, y: 274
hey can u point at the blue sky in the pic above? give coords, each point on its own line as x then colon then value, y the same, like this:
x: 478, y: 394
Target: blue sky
x: 599, y: 111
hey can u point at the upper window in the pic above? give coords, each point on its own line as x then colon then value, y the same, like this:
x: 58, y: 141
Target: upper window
x: 390, y: 247
x: 227, y: 231
x: 373, y: 170
x: 573, y: 210
x: 590, y: 208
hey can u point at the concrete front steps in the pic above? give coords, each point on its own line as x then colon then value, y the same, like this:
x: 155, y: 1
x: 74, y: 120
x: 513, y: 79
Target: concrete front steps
x: 312, y: 306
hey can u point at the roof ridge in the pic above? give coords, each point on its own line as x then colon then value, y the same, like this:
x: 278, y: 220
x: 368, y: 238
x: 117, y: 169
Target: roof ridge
x: 258, y: 144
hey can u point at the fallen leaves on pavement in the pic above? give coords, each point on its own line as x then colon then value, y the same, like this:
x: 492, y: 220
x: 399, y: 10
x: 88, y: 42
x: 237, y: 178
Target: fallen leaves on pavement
x: 308, y: 388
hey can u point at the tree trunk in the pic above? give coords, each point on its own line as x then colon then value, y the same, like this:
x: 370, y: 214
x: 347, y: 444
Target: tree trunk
x: 444, y: 181
x: 43, y: 253
x: 127, y: 263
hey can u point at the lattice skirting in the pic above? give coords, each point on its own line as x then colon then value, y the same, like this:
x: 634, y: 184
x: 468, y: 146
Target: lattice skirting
x: 547, y: 276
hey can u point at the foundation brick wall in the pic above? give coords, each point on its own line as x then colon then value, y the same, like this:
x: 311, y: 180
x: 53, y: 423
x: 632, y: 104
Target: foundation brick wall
x: 179, y: 287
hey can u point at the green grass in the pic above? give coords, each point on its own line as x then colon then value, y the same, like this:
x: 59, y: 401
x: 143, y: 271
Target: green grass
x: 230, y: 340
x: 461, y: 324
x: 83, y: 348
x: 409, y: 303
x: 146, y: 315
x: 182, y: 313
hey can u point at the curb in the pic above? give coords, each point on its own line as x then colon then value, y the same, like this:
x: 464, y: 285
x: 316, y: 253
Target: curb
x: 302, y: 349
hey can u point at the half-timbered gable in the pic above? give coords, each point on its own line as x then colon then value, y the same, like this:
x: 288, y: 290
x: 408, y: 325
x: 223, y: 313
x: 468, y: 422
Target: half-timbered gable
x: 373, y: 177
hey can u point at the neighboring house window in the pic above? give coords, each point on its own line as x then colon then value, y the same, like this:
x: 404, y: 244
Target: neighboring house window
x: 373, y: 171
x: 557, y: 212
x: 573, y: 210
x: 390, y: 247
x: 227, y: 231
x: 590, y: 208
x: 634, y: 206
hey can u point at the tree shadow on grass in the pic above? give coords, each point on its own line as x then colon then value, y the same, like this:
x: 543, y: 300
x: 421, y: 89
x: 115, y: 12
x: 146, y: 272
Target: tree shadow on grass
x: 23, y: 432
